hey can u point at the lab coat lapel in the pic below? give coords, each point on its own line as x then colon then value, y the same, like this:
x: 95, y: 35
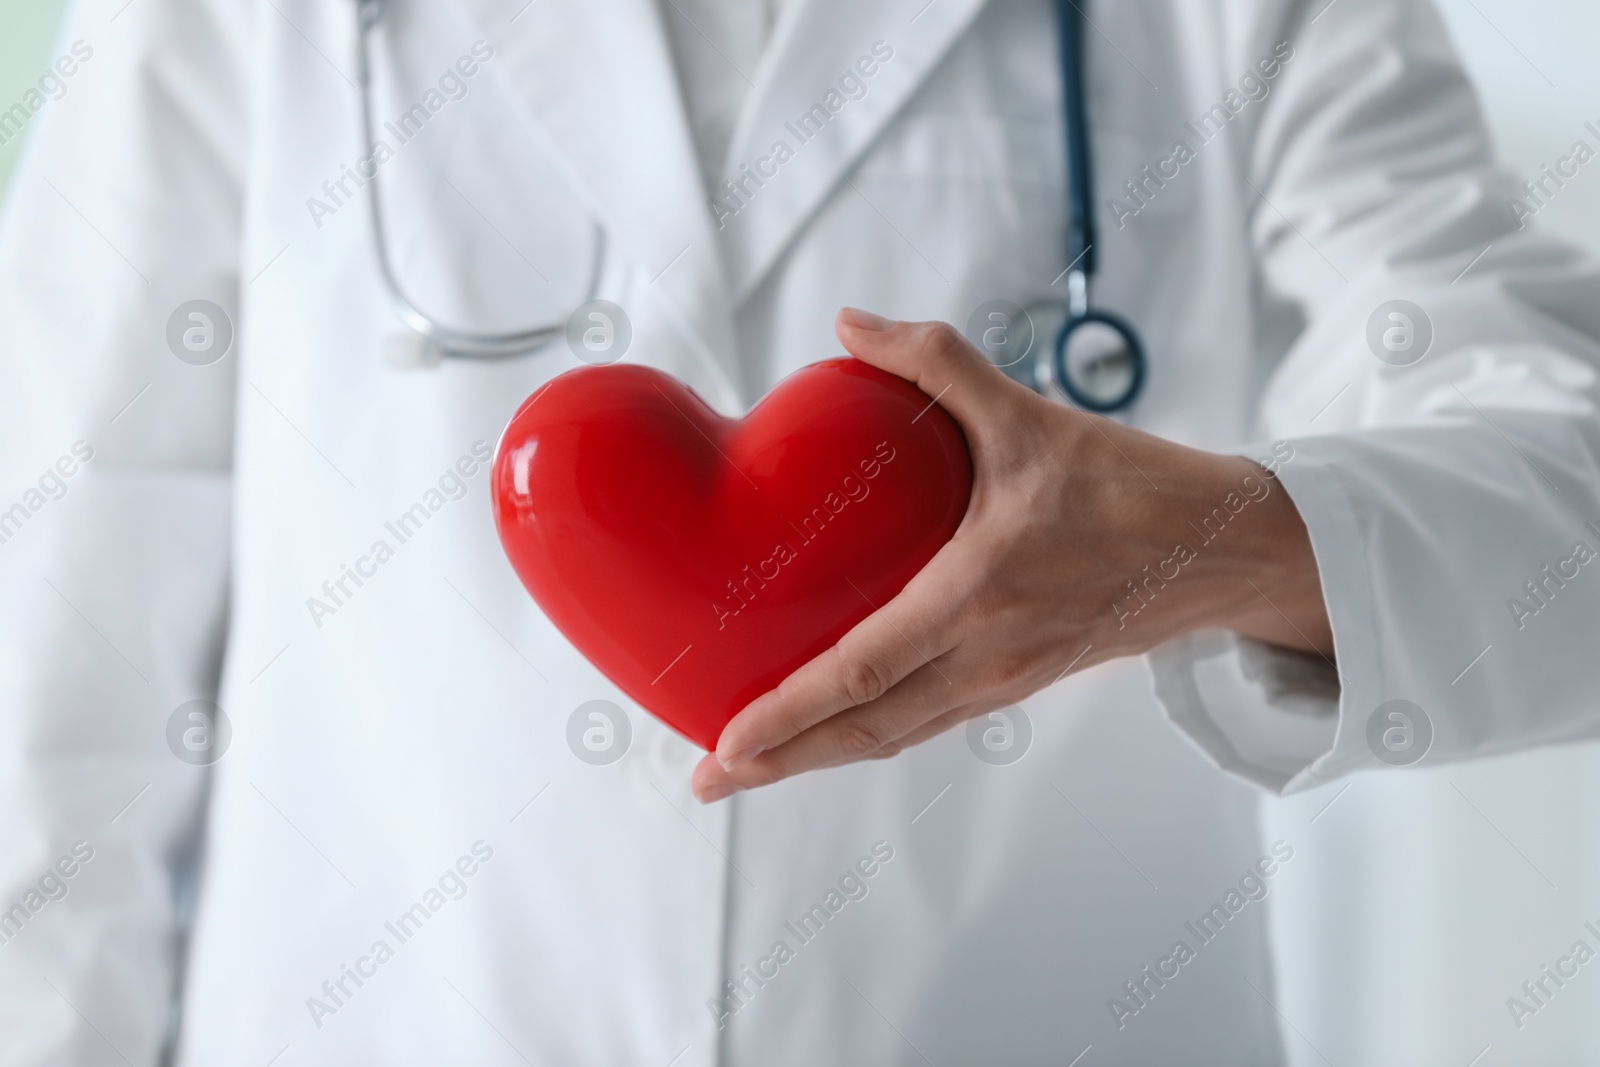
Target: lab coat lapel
x: 597, y: 81
x: 813, y: 48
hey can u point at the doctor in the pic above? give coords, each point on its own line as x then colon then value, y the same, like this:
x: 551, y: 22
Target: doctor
x: 397, y: 829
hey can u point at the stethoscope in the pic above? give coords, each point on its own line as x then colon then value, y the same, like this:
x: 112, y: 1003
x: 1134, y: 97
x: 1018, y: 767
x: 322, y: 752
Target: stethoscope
x: 429, y: 340
x: 1091, y: 355
x: 1094, y: 357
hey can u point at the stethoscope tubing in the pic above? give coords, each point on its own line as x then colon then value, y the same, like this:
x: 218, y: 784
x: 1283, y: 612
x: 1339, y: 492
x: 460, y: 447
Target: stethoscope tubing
x: 453, y: 342
x: 1081, y: 238
x: 1082, y: 242
x: 1082, y: 252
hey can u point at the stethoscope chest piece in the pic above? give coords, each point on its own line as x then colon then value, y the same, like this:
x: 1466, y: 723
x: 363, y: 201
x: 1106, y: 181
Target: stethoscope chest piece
x: 1066, y: 347
x: 1098, y: 362
x: 1090, y: 358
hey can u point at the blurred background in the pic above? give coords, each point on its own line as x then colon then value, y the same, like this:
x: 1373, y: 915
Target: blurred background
x: 1479, y: 874
x: 1484, y: 872
x: 27, y: 35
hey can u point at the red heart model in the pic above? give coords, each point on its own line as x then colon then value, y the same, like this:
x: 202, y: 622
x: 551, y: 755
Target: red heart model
x: 696, y: 561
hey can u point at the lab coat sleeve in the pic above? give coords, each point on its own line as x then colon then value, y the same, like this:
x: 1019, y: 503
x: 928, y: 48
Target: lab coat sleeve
x: 1452, y: 503
x: 115, y: 462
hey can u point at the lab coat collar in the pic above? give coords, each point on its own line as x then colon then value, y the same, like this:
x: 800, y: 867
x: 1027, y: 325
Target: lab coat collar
x: 597, y: 81
x: 816, y: 43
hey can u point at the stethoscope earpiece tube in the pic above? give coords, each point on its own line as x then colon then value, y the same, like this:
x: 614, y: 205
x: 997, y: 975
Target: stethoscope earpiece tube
x: 1097, y: 359
x: 430, y: 341
x: 1081, y: 251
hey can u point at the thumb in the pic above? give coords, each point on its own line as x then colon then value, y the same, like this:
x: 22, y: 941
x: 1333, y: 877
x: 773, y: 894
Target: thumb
x: 935, y: 358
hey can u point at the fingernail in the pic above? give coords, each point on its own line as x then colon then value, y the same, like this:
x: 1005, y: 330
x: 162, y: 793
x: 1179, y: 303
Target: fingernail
x: 865, y: 320
x: 743, y: 756
x: 718, y: 792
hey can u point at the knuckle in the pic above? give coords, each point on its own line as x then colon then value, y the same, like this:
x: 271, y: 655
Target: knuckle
x: 940, y: 338
x: 865, y: 678
x: 860, y: 739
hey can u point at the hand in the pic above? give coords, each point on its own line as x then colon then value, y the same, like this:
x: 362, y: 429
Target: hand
x: 1084, y: 540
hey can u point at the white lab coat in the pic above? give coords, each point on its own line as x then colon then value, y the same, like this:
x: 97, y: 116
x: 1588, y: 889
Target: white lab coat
x: 426, y: 717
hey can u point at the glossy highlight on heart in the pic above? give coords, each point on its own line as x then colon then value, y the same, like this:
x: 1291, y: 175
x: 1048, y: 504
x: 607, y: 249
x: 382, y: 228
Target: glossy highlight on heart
x: 695, y: 560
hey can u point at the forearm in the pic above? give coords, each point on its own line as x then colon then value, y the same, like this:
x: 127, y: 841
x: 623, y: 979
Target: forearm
x: 1281, y: 599
x: 1225, y: 548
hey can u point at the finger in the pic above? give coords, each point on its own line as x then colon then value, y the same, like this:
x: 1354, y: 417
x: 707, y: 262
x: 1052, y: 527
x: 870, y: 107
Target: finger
x: 711, y: 782
x: 934, y: 727
x: 855, y: 733
x: 950, y: 720
x: 881, y: 650
x: 934, y: 357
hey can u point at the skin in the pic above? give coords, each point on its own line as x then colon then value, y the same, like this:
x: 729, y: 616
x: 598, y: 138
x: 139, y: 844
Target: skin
x: 1066, y: 509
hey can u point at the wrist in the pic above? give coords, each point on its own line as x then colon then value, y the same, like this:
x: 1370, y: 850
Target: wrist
x: 1276, y: 587
x: 1221, y: 545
